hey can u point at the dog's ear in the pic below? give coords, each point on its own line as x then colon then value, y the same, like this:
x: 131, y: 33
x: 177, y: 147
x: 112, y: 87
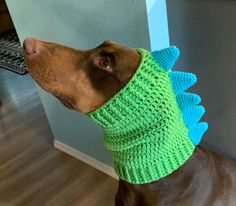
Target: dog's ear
x: 105, y: 62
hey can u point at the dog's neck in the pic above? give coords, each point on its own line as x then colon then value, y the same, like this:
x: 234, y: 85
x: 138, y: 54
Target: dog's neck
x: 144, y: 128
x: 179, y: 187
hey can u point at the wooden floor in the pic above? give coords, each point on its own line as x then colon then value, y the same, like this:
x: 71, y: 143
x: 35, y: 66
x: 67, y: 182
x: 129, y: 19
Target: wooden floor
x: 32, y: 172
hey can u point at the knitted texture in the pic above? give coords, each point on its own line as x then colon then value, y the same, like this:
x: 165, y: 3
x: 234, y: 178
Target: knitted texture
x: 151, y: 125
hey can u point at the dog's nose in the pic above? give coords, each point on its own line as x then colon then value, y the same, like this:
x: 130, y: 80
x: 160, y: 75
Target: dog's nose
x: 29, y: 45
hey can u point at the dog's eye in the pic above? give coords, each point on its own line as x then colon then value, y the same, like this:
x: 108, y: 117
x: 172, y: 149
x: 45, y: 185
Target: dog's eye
x: 105, y: 63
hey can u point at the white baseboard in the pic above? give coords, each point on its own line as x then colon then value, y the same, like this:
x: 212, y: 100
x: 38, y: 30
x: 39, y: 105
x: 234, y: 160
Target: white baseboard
x: 85, y: 158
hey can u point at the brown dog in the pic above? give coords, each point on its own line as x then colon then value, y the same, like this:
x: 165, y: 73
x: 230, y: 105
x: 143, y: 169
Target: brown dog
x: 85, y: 80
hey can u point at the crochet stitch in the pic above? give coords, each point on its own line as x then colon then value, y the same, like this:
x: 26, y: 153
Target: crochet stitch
x: 151, y: 125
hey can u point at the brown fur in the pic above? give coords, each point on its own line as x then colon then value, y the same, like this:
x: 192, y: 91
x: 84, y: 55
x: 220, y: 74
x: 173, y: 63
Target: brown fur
x: 85, y: 80
x: 76, y: 76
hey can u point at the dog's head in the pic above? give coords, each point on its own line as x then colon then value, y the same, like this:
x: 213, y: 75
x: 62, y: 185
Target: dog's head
x: 81, y: 80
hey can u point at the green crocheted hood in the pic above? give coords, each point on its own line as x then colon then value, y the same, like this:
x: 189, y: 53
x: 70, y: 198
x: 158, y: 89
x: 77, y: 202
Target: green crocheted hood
x: 151, y: 125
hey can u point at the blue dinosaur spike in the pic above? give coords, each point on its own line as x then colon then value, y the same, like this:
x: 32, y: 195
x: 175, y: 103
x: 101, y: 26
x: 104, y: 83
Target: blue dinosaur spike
x: 166, y: 58
x: 197, y: 132
x: 186, y: 100
x: 193, y: 115
x: 182, y: 81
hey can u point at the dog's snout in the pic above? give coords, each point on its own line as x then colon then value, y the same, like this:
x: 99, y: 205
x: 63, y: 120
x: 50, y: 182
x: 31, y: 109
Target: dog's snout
x: 29, y: 45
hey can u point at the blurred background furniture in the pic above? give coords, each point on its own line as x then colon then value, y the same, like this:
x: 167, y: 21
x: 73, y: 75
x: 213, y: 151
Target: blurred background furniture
x: 5, y: 18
